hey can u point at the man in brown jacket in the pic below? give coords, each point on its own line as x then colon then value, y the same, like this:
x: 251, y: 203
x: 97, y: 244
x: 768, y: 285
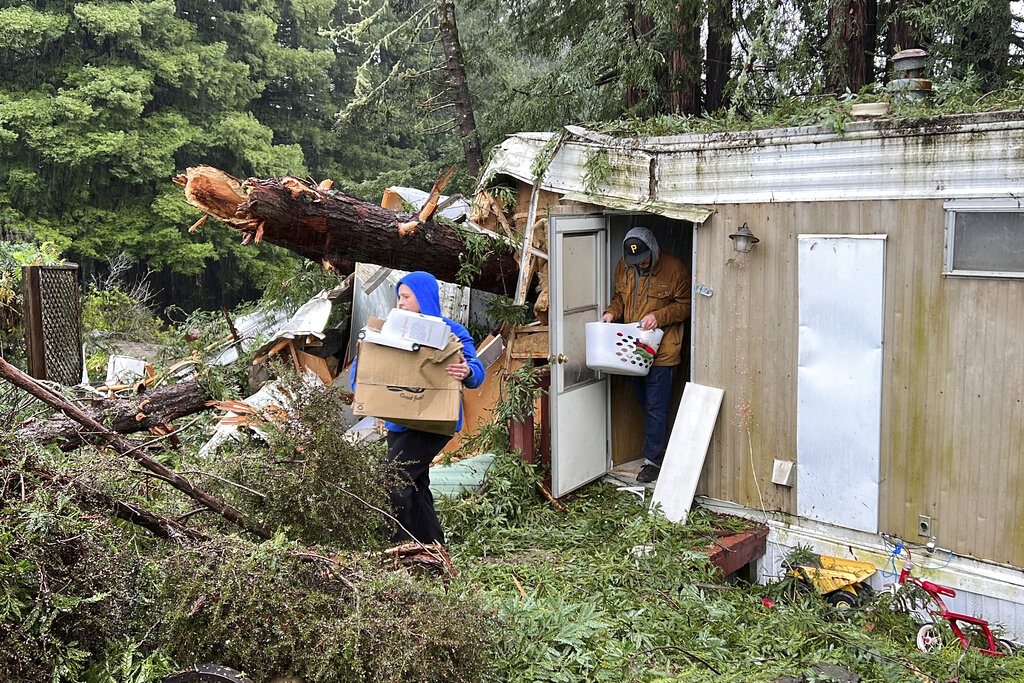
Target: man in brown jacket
x: 652, y: 289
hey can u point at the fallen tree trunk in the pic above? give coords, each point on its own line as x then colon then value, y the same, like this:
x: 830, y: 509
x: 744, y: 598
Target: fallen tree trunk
x: 118, y: 443
x: 337, y: 230
x: 155, y: 410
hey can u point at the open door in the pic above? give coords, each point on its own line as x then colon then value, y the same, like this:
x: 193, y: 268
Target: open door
x: 579, y: 396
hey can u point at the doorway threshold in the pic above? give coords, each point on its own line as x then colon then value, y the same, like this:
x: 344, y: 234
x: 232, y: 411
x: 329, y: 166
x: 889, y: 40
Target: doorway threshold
x: 624, y: 474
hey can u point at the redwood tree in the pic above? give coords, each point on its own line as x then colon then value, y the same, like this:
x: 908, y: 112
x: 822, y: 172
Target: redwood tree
x: 458, y: 85
x: 850, y: 45
x: 718, y: 53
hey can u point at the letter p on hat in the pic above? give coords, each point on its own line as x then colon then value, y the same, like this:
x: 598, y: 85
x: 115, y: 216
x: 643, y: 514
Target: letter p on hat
x: 634, y: 251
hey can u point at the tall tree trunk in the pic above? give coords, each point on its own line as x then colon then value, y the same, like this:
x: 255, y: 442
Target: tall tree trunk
x: 684, y: 64
x: 850, y: 45
x: 903, y: 33
x: 679, y: 77
x: 459, y: 85
x: 719, y: 54
x: 638, y: 27
x: 335, y: 230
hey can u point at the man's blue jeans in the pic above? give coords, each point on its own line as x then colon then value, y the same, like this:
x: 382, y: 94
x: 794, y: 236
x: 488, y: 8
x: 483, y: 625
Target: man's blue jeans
x: 654, y: 392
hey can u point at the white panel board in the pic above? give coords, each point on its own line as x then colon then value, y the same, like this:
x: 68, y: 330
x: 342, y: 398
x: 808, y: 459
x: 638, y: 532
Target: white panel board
x: 687, y: 448
x: 839, y: 378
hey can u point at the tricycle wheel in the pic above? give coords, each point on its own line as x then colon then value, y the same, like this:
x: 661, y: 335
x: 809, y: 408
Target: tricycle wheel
x: 1005, y: 646
x: 929, y: 639
x: 207, y: 673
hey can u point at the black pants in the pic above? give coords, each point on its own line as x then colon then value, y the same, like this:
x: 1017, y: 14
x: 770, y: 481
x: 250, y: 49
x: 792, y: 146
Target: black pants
x: 412, y: 452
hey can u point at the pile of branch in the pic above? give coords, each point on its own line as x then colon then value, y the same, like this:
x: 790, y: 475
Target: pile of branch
x: 90, y: 430
x: 98, y: 434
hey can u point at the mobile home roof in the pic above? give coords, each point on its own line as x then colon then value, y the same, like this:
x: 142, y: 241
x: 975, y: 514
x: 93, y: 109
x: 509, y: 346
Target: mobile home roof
x: 964, y: 156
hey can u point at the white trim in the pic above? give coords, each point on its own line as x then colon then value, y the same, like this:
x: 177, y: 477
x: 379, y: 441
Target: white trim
x: 975, y: 579
x: 833, y: 235
x: 985, y: 204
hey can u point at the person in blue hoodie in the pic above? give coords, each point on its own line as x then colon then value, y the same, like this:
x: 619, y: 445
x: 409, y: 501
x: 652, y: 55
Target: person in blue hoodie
x: 411, y: 450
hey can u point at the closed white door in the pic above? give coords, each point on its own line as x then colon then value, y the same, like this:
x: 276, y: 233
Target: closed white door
x: 839, y: 378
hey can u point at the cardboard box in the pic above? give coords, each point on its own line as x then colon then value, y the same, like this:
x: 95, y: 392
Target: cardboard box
x: 410, y: 388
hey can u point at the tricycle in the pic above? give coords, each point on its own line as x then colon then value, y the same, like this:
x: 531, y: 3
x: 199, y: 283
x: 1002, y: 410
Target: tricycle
x: 969, y: 631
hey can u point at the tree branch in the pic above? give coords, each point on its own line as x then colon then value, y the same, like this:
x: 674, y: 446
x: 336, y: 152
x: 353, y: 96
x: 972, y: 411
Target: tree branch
x: 118, y: 443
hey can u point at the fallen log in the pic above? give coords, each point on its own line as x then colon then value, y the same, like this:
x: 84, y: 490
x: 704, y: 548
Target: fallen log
x: 155, y: 410
x: 336, y: 230
x: 114, y: 440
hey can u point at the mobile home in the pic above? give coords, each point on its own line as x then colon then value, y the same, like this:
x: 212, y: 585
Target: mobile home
x: 870, y: 343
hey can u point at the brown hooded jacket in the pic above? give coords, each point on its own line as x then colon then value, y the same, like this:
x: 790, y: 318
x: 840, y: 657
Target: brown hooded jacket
x: 663, y: 289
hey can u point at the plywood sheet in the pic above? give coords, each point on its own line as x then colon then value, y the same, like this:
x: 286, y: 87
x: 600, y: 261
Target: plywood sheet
x: 531, y: 342
x: 687, y: 448
x: 316, y: 364
x: 478, y: 404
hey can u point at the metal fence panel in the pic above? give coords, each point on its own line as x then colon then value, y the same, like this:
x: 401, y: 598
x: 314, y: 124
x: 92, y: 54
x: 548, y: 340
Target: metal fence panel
x: 53, y: 322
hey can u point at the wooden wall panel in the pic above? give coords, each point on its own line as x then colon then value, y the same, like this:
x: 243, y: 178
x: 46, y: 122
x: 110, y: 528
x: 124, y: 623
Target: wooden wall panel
x: 952, y: 437
x: 746, y: 344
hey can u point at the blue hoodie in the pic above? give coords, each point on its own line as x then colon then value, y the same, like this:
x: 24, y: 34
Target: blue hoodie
x: 424, y: 286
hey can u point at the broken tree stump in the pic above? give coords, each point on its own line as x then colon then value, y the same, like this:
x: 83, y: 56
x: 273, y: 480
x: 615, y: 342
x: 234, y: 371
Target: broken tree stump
x: 114, y: 440
x: 336, y: 230
x: 155, y: 410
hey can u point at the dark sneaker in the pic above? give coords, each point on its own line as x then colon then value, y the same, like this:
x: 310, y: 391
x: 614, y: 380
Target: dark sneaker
x: 648, y: 473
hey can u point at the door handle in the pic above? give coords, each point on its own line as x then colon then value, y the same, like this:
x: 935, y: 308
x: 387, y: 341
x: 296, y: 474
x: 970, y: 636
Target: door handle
x: 560, y: 358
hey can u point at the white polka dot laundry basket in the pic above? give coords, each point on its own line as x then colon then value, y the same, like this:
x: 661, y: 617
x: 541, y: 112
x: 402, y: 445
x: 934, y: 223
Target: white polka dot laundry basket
x: 621, y: 349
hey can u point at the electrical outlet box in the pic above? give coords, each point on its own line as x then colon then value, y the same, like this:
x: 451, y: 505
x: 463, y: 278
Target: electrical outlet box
x: 784, y: 473
x: 924, y: 526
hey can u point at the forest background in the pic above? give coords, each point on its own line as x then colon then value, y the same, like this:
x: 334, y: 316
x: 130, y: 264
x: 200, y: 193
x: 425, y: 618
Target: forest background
x: 102, y: 103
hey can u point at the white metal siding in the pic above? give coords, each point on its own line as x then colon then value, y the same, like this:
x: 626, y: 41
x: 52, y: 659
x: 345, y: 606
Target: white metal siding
x: 963, y: 156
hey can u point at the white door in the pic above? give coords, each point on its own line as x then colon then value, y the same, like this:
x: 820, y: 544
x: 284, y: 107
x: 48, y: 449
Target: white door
x: 839, y: 378
x: 579, y: 396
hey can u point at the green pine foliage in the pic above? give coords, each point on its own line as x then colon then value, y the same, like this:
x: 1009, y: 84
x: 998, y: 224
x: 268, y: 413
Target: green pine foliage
x: 102, y: 104
x: 71, y: 582
x: 609, y: 591
x: 85, y: 597
x: 272, y: 609
x: 601, y: 590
